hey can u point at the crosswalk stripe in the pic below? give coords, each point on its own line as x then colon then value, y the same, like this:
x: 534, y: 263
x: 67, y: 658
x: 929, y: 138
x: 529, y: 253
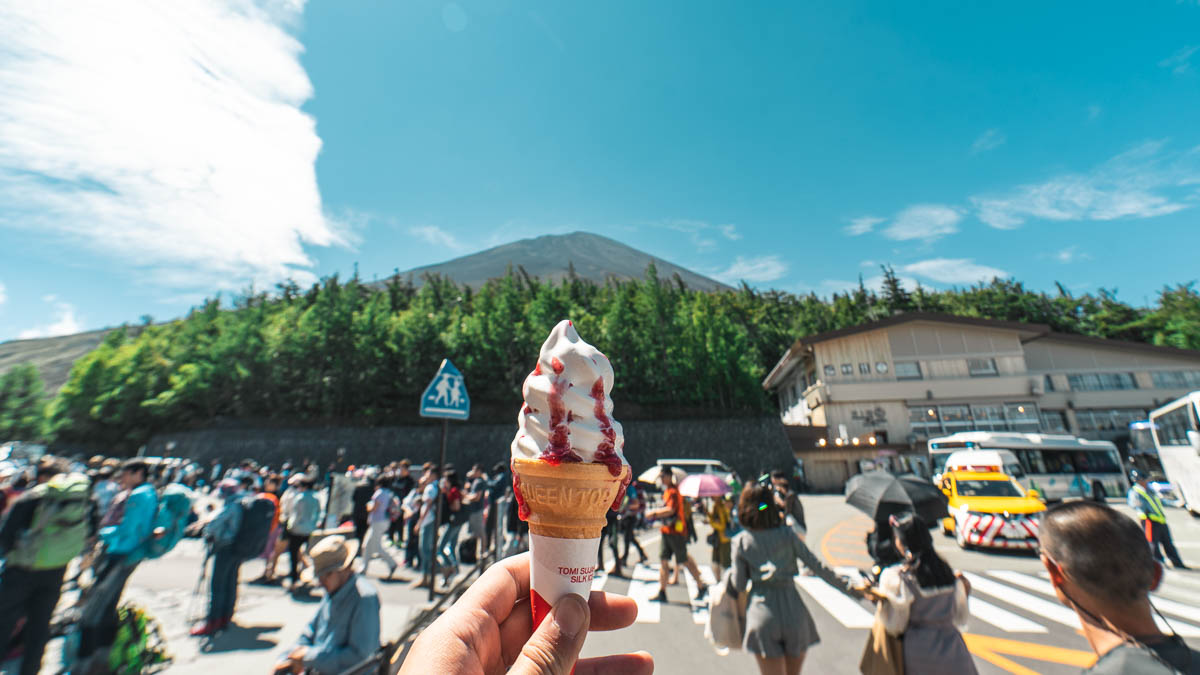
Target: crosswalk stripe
x: 699, y: 607
x: 1045, y: 588
x: 1002, y: 618
x: 842, y: 607
x: 642, y: 587
x: 1031, y: 603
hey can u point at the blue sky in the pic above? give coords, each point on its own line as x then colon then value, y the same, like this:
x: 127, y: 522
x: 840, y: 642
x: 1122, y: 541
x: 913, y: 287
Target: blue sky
x: 196, y: 148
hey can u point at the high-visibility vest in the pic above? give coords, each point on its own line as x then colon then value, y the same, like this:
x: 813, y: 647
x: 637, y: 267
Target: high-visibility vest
x: 1156, y: 510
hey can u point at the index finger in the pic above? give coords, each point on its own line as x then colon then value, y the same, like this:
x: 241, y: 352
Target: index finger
x: 500, y: 587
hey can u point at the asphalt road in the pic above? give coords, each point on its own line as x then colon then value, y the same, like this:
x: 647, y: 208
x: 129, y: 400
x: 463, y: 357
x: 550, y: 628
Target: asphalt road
x: 1017, y: 625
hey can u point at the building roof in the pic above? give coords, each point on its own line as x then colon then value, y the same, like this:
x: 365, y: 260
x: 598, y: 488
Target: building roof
x: 1028, y: 332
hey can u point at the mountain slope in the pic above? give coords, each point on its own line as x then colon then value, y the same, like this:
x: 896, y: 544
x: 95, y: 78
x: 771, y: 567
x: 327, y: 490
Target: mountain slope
x: 53, y: 356
x: 548, y: 257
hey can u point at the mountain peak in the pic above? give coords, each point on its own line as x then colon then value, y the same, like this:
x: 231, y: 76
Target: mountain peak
x: 549, y: 257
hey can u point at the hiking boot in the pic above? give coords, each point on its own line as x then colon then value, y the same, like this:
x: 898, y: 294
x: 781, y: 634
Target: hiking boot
x: 205, y: 629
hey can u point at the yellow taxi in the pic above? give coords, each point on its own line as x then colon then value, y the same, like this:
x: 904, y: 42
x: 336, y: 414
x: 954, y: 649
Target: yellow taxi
x: 990, y: 509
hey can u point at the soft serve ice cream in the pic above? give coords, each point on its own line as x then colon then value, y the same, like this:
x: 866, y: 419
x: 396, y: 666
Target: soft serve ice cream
x: 567, y: 416
x: 568, y: 465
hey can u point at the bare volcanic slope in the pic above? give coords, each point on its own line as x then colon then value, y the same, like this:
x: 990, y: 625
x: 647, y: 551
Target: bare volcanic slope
x: 548, y: 257
x: 53, y: 356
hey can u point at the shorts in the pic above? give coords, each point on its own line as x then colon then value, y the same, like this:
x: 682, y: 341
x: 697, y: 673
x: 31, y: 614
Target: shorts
x: 673, y: 545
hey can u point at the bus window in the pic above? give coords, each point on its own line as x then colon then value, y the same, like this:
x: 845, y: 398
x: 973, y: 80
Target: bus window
x: 938, y: 459
x: 1031, y: 461
x: 1014, y: 470
x: 1058, y: 461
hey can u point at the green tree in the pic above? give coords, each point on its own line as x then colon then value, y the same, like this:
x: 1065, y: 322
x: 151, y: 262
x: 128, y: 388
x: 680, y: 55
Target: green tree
x: 22, y: 404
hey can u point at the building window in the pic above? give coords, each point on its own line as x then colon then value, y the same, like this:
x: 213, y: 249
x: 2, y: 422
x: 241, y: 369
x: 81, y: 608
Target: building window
x: 864, y: 369
x: 830, y: 371
x: 847, y: 369
x: 1049, y: 383
x: 1116, y: 419
x: 908, y: 370
x: 1177, y: 379
x: 924, y: 421
x: 1053, y: 420
x: 988, y: 417
x: 1101, y: 381
x: 1022, y: 417
x: 981, y: 367
x: 955, y: 418
x: 881, y: 367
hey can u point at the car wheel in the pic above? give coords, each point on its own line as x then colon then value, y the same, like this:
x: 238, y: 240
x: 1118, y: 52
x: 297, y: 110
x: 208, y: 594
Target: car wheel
x: 1098, y: 492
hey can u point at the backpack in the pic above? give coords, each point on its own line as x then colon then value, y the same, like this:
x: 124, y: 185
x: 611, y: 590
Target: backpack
x: 251, y: 540
x: 173, y: 514
x: 59, y: 526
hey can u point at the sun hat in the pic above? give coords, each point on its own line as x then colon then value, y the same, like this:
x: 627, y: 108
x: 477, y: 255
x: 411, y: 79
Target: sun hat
x: 331, y: 554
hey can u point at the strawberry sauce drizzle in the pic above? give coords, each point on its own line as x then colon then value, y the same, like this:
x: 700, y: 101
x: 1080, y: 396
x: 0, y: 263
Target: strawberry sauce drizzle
x: 605, y: 452
x: 522, y: 507
x: 558, y: 449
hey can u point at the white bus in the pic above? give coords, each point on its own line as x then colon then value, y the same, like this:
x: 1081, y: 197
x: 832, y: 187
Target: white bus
x: 1056, y: 465
x: 1176, y: 429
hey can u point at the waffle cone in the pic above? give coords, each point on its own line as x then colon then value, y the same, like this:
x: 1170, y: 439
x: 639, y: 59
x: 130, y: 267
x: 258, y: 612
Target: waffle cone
x: 567, y: 501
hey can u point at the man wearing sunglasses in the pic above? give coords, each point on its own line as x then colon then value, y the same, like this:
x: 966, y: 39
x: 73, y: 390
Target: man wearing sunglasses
x: 1101, y: 567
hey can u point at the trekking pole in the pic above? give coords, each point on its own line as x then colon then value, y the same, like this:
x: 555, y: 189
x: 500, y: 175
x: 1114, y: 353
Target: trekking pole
x: 197, y: 592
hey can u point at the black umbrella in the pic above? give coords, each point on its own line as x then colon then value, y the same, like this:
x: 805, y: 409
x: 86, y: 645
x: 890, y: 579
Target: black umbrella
x: 879, y: 494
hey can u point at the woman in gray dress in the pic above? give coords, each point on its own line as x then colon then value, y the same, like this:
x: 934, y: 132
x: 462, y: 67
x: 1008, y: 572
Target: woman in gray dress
x: 925, y: 602
x: 779, y: 629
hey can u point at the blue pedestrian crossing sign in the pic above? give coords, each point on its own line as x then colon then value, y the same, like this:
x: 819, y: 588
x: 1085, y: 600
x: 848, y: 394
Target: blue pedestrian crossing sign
x: 446, y: 396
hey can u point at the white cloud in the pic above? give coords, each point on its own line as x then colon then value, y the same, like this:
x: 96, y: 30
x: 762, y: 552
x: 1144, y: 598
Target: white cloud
x: 168, y: 136
x: 990, y: 140
x: 953, y: 270
x: 1180, y: 62
x: 65, y: 322
x: 699, y: 232
x: 924, y: 221
x: 862, y: 225
x: 874, y: 283
x: 1071, y: 254
x: 754, y: 270
x: 1134, y: 184
x: 3, y: 294
x: 436, y: 236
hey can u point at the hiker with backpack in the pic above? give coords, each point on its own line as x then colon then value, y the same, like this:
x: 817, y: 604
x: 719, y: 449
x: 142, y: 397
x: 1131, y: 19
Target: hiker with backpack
x: 44, y: 530
x: 124, y: 545
x: 238, y: 533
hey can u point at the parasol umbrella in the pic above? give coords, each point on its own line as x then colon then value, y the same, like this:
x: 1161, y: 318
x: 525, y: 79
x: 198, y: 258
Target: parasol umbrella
x: 651, y: 475
x: 703, y: 485
x: 880, y: 494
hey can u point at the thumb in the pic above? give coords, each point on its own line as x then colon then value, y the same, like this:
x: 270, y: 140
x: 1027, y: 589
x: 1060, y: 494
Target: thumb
x: 555, y: 645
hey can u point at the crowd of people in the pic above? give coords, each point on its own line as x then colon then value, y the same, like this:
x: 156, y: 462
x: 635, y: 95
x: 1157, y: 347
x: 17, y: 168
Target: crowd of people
x: 90, y: 526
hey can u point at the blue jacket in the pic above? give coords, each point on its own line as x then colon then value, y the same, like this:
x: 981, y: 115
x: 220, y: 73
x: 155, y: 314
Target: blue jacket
x: 128, y: 537
x: 345, y: 630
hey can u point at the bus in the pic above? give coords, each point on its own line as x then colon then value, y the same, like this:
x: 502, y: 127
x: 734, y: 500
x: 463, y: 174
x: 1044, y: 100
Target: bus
x: 1176, y: 428
x: 1056, y: 465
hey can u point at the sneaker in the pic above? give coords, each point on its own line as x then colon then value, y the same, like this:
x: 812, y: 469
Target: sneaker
x: 661, y: 597
x: 205, y: 629
x: 702, y: 594
x: 1181, y: 566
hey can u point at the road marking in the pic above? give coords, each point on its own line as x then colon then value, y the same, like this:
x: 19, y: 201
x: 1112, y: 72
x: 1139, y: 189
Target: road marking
x: 1045, y: 588
x: 841, y: 606
x: 1049, y: 610
x: 1002, y: 618
x: 990, y: 649
x: 642, y: 587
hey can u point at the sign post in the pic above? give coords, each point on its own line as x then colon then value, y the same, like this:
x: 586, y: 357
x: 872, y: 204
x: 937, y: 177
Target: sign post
x: 445, y: 398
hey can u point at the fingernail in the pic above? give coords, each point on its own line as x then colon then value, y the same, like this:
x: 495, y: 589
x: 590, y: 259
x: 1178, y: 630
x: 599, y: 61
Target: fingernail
x: 570, y: 615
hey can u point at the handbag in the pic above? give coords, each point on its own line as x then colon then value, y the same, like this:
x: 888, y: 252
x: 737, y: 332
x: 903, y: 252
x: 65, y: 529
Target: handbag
x: 726, y: 626
x: 884, y: 653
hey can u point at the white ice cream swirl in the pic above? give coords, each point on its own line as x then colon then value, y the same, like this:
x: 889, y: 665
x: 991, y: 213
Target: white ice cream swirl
x: 567, y: 416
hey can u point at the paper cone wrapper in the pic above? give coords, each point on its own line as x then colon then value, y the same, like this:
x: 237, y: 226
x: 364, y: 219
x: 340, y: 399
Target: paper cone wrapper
x: 565, y: 506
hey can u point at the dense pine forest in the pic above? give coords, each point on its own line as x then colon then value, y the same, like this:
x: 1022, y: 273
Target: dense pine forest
x: 345, y: 352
